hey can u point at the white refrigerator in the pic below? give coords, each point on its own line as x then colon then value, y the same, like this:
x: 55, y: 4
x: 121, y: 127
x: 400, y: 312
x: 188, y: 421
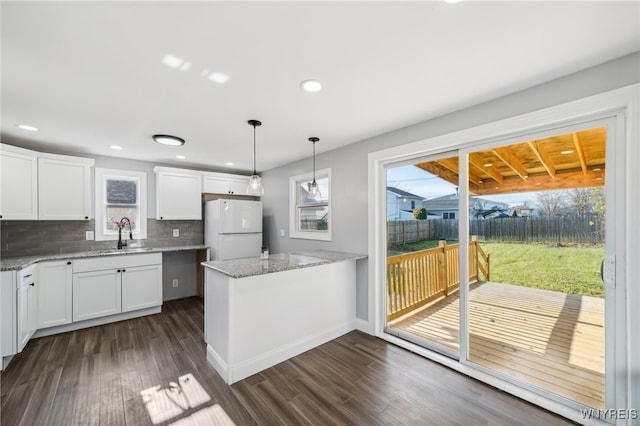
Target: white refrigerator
x: 233, y: 228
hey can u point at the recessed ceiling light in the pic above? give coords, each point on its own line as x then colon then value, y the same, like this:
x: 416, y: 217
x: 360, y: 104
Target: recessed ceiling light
x: 168, y: 140
x: 311, y: 85
x: 117, y: 147
x: 218, y: 77
x: 181, y: 157
x: 569, y: 151
x: 488, y: 165
x: 27, y: 127
x: 452, y: 1
x: 229, y: 163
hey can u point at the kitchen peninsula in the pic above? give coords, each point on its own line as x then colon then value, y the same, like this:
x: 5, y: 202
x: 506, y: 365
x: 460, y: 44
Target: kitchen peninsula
x: 259, y: 313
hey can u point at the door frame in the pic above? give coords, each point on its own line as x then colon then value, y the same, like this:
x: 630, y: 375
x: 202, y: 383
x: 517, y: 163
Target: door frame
x: 621, y: 104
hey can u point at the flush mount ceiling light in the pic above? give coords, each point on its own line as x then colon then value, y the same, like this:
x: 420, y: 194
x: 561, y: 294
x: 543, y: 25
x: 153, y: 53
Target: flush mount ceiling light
x: 27, y: 127
x: 168, y: 140
x: 569, y: 151
x: 255, y: 183
x: 116, y: 147
x: 314, y: 191
x: 181, y: 157
x: 229, y: 163
x: 311, y: 86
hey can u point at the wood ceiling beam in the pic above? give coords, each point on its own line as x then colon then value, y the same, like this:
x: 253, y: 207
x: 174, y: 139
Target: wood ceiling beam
x: 454, y: 167
x: 439, y: 171
x: 577, y: 142
x: 477, y: 160
x: 543, y: 157
x: 542, y: 182
x: 510, y: 160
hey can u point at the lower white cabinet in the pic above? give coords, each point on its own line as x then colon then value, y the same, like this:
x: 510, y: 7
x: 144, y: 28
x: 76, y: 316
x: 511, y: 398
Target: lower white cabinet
x: 141, y: 287
x: 110, y: 285
x: 8, y: 318
x: 96, y: 294
x: 55, y: 289
x: 27, y: 301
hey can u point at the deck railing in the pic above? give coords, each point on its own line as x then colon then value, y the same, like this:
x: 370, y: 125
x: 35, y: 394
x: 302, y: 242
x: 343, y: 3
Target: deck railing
x: 417, y: 278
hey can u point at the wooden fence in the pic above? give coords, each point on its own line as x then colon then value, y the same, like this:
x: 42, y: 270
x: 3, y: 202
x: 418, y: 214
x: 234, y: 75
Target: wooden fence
x: 523, y: 229
x: 417, y: 278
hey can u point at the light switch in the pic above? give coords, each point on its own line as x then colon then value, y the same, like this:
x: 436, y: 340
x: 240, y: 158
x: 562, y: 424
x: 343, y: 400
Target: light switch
x: 89, y: 235
x: 176, y: 232
x: 282, y: 232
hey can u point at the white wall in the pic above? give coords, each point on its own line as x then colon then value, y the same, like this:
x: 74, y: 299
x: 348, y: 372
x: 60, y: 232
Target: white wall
x: 349, y: 164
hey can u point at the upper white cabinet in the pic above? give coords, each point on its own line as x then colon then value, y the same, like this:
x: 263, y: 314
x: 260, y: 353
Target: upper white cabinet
x: 178, y: 194
x: 222, y: 183
x: 64, y: 188
x: 18, y: 184
x: 37, y: 185
x: 55, y: 293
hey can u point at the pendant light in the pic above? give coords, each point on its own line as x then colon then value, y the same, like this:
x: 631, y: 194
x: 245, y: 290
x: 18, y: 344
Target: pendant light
x: 255, y: 183
x: 314, y: 191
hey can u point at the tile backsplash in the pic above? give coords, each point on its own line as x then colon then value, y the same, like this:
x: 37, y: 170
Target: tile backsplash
x: 34, y: 237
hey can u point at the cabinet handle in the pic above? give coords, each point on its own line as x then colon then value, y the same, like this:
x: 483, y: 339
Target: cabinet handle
x: 68, y: 263
x: 86, y: 217
x: 118, y: 270
x: 27, y: 276
x: 32, y: 284
x: 124, y: 270
x: 0, y: 216
x: 161, y: 217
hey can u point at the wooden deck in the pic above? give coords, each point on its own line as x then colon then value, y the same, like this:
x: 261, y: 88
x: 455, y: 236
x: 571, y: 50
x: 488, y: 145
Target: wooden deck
x: 548, y: 339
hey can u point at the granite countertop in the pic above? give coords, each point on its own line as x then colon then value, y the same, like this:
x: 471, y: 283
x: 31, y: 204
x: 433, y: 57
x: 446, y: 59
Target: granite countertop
x: 16, y: 263
x: 251, y: 266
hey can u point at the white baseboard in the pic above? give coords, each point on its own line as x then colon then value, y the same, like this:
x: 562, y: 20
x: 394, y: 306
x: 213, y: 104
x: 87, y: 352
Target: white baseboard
x: 96, y: 321
x: 236, y: 372
x: 365, y: 326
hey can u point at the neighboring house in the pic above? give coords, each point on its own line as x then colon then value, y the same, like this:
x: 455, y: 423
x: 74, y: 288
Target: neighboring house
x: 446, y: 207
x: 400, y: 204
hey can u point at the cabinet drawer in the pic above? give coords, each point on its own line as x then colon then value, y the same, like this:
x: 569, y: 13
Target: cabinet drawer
x: 114, y: 262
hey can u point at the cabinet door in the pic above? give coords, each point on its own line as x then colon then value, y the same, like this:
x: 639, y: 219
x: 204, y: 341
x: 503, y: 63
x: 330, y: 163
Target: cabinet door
x: 54, y: 293
x: 216, y: 185
x: 27, y: 314
x: 18, y: 186
x: 96, y: 294
x: 141, y: 287
x: 64, y: 189
x: 179, y: 196
x: 238, y: 186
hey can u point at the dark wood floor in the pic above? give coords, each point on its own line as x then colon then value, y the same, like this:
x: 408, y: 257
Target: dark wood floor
x: 153, y: 370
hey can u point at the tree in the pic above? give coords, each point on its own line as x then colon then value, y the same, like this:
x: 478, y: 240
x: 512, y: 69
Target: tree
x: 420, y: 213
x: 551, y: 203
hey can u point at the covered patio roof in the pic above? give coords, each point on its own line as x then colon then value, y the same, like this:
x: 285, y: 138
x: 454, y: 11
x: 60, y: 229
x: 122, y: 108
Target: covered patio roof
x: 572, y: 160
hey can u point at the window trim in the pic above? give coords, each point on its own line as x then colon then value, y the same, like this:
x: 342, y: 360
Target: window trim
x: 101, y: 174
x: 293, y: 207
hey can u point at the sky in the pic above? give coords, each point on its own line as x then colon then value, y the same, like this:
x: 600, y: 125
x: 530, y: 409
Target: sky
x: 417, y: 181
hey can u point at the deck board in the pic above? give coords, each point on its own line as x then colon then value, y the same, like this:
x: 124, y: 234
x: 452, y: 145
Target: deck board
x: 548, y: 339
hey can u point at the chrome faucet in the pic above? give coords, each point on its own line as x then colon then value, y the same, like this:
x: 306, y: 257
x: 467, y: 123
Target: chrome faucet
x: 122, y: 224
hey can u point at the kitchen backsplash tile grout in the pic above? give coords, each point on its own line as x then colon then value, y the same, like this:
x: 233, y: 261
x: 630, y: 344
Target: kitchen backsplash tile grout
x: 34, y: 237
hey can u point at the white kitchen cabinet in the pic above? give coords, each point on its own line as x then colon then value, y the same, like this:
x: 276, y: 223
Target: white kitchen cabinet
x: 222, y: 183
x: 96, y: 294
x: 141, y: 287
x: 8, y: 306
x: 55, y: 291
x: 27, y: 301
x: 113, y: 284
x: 64, y: 187
x: 178, y: 194
x: 18, y: 184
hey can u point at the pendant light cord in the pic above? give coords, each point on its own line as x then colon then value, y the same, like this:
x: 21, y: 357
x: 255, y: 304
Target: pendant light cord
x: 254, y: 149
x: 314, y: 161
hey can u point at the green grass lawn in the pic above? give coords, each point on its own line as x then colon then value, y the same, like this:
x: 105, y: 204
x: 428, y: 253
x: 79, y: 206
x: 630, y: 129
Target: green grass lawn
x: 569, y: 269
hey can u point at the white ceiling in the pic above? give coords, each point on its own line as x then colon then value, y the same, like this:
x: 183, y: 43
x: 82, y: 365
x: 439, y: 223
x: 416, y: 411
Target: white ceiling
x: 90, y: 74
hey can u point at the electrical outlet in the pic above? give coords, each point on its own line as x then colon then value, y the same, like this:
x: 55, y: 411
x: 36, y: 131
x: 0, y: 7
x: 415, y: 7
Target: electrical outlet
x: 89, y: 235
x: 282, y: 232
x: 175, y: 283
x: 176, y: 232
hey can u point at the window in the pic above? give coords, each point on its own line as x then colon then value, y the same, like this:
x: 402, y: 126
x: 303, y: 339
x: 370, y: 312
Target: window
x: 448, y: 215
x: 310, y: 218
x: 413, y: 205
x: 120, y: 194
